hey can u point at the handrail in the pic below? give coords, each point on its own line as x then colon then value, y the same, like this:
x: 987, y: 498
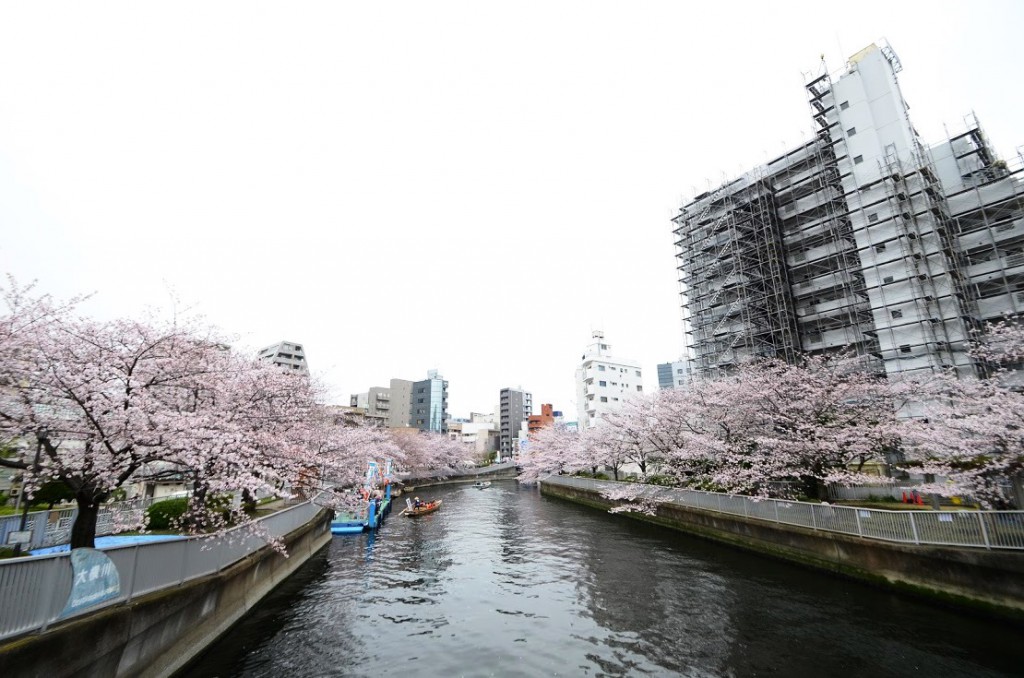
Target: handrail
x: 33, y: 589
x: 1002, y: 530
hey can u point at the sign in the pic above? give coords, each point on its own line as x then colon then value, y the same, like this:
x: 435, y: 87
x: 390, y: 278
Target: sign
x: 94, y: 580
x: 19, y: 537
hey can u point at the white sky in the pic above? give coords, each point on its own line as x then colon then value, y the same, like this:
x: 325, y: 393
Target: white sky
x: 402, y: 186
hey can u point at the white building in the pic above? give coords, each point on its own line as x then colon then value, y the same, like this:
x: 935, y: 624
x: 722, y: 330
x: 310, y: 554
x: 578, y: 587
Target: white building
x: 286, y: 354
x: 862, y: 239
x: 674, y: 374
x: 604, y: 382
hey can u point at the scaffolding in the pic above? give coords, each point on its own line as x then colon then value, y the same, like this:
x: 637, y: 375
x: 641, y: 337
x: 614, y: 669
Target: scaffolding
x: 797, y: 256
x: 732, y: 267
x: 985, y: 200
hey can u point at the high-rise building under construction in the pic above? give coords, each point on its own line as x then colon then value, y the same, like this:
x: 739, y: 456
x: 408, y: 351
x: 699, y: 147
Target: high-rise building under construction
x: 862, y: 239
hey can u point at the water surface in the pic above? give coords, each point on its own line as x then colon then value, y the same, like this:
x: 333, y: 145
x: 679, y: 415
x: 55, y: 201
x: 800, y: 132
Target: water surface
x: 504, y: 582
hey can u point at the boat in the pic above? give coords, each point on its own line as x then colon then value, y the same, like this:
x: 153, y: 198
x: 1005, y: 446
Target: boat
x: 482, y: 485
x: 423, y: 509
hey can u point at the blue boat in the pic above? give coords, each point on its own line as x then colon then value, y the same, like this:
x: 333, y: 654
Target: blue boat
x: 377, y: 508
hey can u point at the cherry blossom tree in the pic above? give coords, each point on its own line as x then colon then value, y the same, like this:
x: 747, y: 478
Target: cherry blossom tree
x: 341, y: 450
x: 633, y: 431
x: 821, y: 421
x: 105, y: 404
x: 551, y: 451
x: 971, y: 435
x: 771, y: 428
x: 431, y: 452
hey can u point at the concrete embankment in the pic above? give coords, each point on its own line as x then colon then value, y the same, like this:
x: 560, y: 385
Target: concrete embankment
x: 159, y: 633
x: 987, y: 581
x: 495, y: 472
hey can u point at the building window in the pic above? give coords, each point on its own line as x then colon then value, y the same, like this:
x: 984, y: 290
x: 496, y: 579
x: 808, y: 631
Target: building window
x: 887, y: 279
x: 419, y: 400
x: 602, y: 383
x: 858, y: 159
x: 604, y: 399
x: 852, y: 132
x: 639, y: 389
x: 679, y: 371
x: 905, y: 348
x: 604, y: 347
x: 880, y: 247
x: 873, y: 217
x: 897, y: 314
x: 615, y: 400
x: 600, y: 368
x: 844, y: 105
x: 638, y: 373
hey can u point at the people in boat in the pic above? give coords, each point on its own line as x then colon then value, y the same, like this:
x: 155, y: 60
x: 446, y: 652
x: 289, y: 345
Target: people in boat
x: 416, y: 503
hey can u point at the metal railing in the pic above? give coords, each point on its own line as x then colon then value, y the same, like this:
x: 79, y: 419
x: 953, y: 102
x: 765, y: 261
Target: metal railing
x: 53, y: 527
x: 34, y: 589
x: 978, y: 529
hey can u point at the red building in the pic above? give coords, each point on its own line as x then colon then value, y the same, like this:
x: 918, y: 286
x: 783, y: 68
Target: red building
x: 538, y: 421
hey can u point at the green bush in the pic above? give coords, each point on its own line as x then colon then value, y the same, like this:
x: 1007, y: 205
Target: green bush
x: 163, y: 514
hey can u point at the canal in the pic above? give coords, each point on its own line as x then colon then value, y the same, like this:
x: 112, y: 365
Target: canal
x: 505, y: 582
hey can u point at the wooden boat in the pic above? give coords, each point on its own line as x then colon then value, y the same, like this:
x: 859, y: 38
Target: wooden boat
x: 483, y: 485
x: 429, y: 507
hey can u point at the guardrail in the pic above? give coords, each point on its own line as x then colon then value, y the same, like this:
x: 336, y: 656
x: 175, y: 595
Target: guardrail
x: 977, y: 529
x: 34, y: 589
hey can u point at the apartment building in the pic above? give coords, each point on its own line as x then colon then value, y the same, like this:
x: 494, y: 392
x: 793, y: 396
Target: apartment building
x: 514, y: 408
x: 673, y: 374
x: 862, y: 239
x: 604, y: 382
x: 287, y: 355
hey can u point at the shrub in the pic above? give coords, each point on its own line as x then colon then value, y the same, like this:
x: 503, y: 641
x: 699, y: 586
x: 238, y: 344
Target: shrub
x: 163, y: 514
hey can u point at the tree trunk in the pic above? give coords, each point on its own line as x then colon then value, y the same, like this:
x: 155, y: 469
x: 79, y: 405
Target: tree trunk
x: 248, y: 502
x: 195, y: 517
x: 83, y: 532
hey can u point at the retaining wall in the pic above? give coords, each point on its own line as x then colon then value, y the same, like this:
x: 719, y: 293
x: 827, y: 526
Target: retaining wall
x: 493, y: 472
x: 989, y: 581
x: 158, y: 634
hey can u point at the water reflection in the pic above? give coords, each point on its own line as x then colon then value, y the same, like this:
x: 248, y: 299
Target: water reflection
x: 505, y: 582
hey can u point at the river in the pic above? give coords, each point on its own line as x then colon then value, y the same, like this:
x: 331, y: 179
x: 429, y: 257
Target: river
x: 505, y: 582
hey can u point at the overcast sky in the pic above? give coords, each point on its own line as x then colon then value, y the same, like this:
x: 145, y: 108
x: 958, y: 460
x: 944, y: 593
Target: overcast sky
x: 401, y: 186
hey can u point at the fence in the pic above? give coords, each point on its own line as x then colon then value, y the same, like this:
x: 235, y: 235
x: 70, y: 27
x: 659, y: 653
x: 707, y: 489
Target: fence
x: 33, y: 590
x: 866, y: 492
x: 53, y: 527
x: 979, y: 529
